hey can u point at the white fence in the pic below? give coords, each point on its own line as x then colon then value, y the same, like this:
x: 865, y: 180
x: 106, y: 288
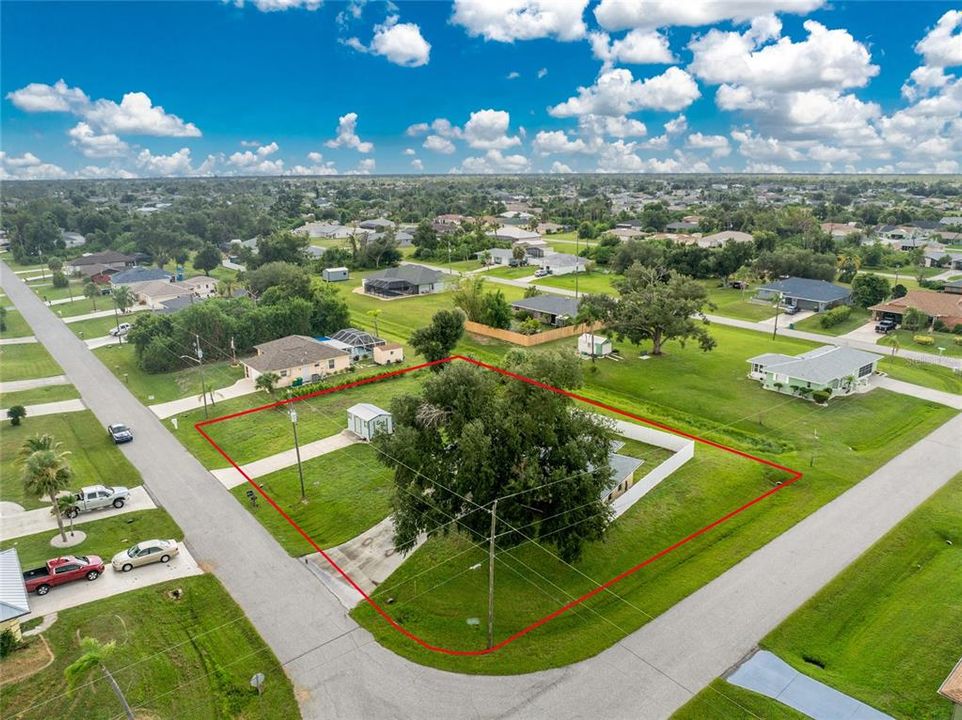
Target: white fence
x: 682, y: 447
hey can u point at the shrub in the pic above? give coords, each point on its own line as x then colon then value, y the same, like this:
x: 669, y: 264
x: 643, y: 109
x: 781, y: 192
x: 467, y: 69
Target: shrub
x: 957, y: 339
x: 914, y: 319
x: 835, y: 316
x: 957, y: 330
x: 8, y: 642
x: 16, y: 413
x: 60, y: 280
x: 821, y: 396
x: 940, y: 326
x: 529, y: 327
x: 923, y: 339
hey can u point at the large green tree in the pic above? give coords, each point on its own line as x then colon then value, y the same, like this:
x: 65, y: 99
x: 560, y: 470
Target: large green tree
x: 207, y: 258
x: 659, y: 306
x: 437, y: 340
x: 869, y: 289
x: 472, y: 436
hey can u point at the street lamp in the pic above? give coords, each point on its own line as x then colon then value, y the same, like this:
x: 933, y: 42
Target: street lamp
x: 297, y: 451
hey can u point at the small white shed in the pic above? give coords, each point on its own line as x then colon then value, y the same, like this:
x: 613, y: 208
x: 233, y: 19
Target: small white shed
x: 591, y: 344
x: 365, y: 420
x: 335, y: 274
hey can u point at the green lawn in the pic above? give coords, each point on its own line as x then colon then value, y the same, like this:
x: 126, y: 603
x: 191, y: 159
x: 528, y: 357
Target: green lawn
x: 869, y: 633
x: 924, y: 374
x: 105, y: 537
x: 512, y: 273
x: 94, y: 458
x: 95, y: 327
x: 82, y: 306
x: 906, y: 342
x: 588, y: 282
x: 835, y: 446
x: 455, y: 265
x: 46, y: 291
x: 735, y: 303
x: 907, y: 271
x: 722, y: 701
x: 38, y: 396
x: 257, y: 435
x: 859, y: 317
x: 16, y: 325
x: 348, y: 491
x: 26, y: 362
x: 162, y: 387
x: 190, y: 656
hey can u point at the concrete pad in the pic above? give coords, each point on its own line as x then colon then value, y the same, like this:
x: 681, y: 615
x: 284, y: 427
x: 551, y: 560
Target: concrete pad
x: 230, y: 478
x: 769, y: 675
x: 34, y: 521
x: 18, y: 385
x: 864, y: 333
x: 25, y: 340
x: 10, y: 508
x: 52, y: 408
x: 104, y: 341
x: 244, y: 386
x: 74, y: 537
x: 111, y: 583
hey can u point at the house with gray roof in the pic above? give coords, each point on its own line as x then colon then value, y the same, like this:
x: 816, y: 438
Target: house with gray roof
x: 296, y: 360
x: 404, y: 281
x: 13, y: 593
x: 805, y: 293
x: 559, y: 263
x: 139, y: 274
x: 836, y: 369
x: 500, y: 256
x: 549, y: 309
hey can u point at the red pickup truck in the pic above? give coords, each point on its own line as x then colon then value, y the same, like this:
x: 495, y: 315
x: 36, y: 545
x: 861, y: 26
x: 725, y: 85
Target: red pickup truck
x: 63, y: 570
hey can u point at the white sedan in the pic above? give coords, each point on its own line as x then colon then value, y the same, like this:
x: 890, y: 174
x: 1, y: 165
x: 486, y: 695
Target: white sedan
x: 144, y: 553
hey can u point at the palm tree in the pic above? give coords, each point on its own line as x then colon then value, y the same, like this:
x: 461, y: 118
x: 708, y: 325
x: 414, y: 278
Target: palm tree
x: 123, y: 298
x: 92, y: 291
x: 226, y: 287
x: 46, y: 473
x: 374, y: 314
x: 16, y: 414
x: 38, y: 442
x: 94, y: 654
x: 267, y: 381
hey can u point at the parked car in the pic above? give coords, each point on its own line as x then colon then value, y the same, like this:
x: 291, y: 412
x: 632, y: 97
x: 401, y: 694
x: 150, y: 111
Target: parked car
x: 62, y: 570
x: 97, y: 497
x: 145, y: 553
x: 541, y: 273
x: 884, y: 327
x: 119, y: 433
x: 120, y: 330
x: 790, y: 309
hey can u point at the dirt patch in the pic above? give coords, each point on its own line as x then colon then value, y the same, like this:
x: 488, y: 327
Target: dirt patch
x: 26, y: 662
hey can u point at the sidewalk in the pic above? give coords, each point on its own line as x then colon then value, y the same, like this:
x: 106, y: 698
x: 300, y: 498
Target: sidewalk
x: 17, y: 385
x: 244, y: 386
x: 104, y: 341
x: 230, y: 478
x: 51, y: 408
x: 29, y: 522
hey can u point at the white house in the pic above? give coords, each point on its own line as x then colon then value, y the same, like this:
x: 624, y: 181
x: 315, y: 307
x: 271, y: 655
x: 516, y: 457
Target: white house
x: 365, y: 420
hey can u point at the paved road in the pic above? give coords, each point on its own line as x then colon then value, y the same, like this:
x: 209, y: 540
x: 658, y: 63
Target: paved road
x: 340, y: 672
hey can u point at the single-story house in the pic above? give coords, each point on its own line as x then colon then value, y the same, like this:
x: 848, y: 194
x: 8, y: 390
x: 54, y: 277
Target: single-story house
x: 388, y: 353
x: 404, y: 280
x: 682, y: 226
x: 559, y: 263
x: 366, y: 420
x: 623, y: 233
x: 951, y: 690
x: 139, y: 274
x: 336, y: 274
x: 805, y: 293
x: 513, y: 233
x: 176, y: 304
x: 154, y: 292
x: 954, y: 287
x: 97, y: 273
x: 108, y: 259
x: 201, y: 285
x: 377, y: 224
x: 296, y: 359
x: 838, y: 369
x: 449, y: 219
x: 941, y: 258
x: 839, y: 230
x: 314, y: 252
x: 358, y: 343
x: 500, y: 256
x: 73, y: 239
x: 596, y: 345
x: 951, y: 220
x: 720, y: 239
x: 547, y: 228
x: 946, y: 307
x: 13, y: 593
x: 549, y: 309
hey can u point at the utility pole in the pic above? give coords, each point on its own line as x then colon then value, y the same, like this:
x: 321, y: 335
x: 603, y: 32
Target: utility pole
x: 494, y: 520
x: 778, y: 302
x: 577, y: 254
x: 200, y: 363
x: 233, y: 352
x: 297, y: 451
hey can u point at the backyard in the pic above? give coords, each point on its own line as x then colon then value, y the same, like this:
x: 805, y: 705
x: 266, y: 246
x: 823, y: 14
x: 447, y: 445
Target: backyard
x: 587, y: 282
x: 183, y: 650
x: 734, y: 303
x: 94, y: 457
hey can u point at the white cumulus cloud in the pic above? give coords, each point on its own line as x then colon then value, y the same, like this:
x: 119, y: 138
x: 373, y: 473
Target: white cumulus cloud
x: 616, y: 93
x: 347, y: 135
x: 510, y: 20
x: 625, y: 14
x: 488, y: 129
x: 96, y: 146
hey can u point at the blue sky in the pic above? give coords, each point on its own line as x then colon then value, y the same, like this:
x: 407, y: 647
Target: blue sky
x: 297, y: 87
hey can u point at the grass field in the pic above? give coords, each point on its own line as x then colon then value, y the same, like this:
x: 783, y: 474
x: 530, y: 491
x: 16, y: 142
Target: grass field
x: 46, y: 290
x: 38, y: 396
x: 721, y: 701
x: 95, y: 327
x: 588, y: 282
x: 924, y: 374
x: 162, y: 387
x: 735, y: 303
x: 348, y: 491
x: 82, y: 306
x: 94, y: 458
x: 857, y: 319
x: 512, y: 273
x: 189, y: 656
x: 105, y: 537
x: 16, y: 325
x: 25, y: 362
x: 835, y: 447
x: 906, y: 342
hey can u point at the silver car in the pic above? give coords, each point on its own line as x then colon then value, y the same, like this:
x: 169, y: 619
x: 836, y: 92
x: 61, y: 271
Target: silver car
x: 144, y: 553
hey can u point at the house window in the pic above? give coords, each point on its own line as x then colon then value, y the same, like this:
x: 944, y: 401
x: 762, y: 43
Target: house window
x: 330, y: 364
x: 865, y: 370
x: 283, y: 373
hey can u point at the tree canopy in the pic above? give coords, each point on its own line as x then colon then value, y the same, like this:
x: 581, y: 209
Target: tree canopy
x: 437, y: 340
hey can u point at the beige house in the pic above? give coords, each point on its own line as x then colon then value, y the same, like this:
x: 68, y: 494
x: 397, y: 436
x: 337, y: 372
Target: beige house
x: 388, y: 353
x: 296, y: 360
x: 154, y: 292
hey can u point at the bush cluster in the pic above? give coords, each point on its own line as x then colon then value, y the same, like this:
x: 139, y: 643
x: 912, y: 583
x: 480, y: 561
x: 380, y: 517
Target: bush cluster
x: 924, y: 339
x: 835, y: 316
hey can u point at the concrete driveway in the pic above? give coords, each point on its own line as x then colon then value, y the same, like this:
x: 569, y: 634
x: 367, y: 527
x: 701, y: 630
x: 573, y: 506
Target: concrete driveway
x: 17, y: 385
x: 51, y: 408
x: 865, y: 333
x: 112, y: 583
x: 34, y: 521
x: 244, y: 386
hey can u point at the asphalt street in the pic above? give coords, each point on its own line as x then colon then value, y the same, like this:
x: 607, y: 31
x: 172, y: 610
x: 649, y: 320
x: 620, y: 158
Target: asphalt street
x: 338, y: 670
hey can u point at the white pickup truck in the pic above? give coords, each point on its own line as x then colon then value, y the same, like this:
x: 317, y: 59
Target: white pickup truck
x: 97, y: 497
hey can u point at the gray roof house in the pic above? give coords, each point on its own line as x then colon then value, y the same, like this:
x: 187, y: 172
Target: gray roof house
x: 623, y: 470
x: 549, y: 309
x: 13, y: 592
x: 139, y: 274
x: 499, y: 256
x: 805, y: 294
x: 559, y: 263
x: 839, y: 370
x: 403, y: 281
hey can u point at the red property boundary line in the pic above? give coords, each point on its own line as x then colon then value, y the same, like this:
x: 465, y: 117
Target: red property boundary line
x: 795, y: 475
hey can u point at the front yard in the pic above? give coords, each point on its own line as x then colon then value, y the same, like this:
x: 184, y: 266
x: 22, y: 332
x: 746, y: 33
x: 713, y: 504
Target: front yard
x: 927, y: 375
x: 857, y: 319
x: 183, y: 650
x: 588, y: 282
x: 38, y: 396
x: 15, y: 324
x: 906, y: 341
x: 737, y: 303
x: 94, y: 457
x: 26, y: 362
